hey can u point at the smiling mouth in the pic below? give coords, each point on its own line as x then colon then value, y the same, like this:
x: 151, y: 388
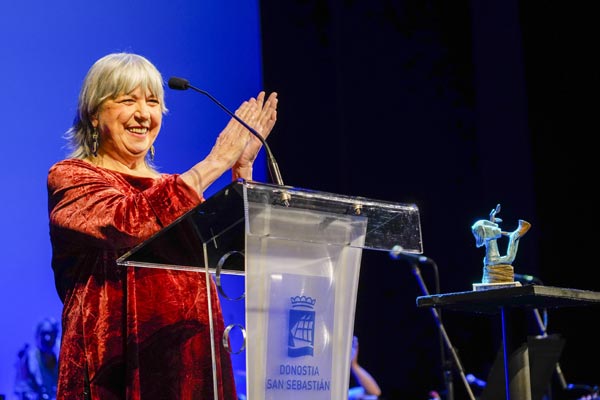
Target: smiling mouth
x: 138, y: 131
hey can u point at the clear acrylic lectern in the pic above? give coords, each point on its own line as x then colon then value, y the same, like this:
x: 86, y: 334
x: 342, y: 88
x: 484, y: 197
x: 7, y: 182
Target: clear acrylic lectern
x: 299, y: 254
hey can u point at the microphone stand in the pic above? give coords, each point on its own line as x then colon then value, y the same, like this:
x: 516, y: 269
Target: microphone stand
x: 444, y: 336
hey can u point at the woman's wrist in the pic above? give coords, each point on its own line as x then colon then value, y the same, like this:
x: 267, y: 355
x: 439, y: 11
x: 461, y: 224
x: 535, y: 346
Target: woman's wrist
x: 241, y: 171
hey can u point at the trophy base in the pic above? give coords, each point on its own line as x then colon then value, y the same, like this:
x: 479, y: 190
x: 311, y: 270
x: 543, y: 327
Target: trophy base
x: 499, y: 285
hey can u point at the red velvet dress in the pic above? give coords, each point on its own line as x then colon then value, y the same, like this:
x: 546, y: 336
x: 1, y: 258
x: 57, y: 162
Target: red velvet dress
x: 134, y: 333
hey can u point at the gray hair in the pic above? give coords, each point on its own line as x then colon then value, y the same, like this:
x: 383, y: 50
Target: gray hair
x: 110, y: 76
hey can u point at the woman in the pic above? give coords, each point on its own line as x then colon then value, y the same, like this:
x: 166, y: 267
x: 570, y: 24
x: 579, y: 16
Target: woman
x: 135, y: 333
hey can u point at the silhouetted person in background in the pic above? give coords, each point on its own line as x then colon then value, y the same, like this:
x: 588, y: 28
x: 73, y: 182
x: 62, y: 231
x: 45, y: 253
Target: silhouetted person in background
x: 367, y: 385
x: 37, y: 366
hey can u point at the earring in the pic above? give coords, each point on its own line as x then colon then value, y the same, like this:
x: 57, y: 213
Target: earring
x: 95, y: 142
x: 152, y: 153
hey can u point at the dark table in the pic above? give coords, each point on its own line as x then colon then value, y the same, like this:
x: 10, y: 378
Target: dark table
x: 502, y: 301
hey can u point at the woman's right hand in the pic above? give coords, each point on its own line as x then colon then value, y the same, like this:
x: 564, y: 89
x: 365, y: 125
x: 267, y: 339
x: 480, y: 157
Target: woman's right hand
x: 234, y: 138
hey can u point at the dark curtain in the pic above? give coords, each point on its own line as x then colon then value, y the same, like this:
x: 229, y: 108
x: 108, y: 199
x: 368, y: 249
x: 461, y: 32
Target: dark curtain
x: 455, y: 107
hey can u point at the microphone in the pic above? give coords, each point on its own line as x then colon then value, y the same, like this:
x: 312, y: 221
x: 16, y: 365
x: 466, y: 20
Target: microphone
x: 473, y: 380
x: 183, y: 84
x: 527, y: 279
x: 585, y: 388
x: 398, y: 253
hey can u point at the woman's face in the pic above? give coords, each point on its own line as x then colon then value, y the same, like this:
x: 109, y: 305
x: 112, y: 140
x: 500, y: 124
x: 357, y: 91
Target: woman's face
x: 128, y: 125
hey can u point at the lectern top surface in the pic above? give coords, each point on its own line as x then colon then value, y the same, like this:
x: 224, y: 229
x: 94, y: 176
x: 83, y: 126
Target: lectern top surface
x: 244, y: 210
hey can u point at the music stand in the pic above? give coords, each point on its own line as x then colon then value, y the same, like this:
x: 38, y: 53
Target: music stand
x: 538, y: 356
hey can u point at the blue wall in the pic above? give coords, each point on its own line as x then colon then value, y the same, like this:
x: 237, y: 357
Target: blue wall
x: 46, y: 48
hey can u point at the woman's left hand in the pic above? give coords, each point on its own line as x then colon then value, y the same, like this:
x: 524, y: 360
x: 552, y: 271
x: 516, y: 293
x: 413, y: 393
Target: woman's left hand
x: 265, y: 116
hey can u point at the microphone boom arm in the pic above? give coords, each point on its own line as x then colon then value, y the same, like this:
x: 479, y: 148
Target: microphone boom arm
x: 183, y: 84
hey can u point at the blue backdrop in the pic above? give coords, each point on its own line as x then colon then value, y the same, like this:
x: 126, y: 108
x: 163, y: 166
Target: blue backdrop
x: 46, y: 48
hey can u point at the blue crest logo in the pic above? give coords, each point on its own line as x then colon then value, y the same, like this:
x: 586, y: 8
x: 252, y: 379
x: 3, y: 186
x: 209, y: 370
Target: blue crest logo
x: 301, y: 329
